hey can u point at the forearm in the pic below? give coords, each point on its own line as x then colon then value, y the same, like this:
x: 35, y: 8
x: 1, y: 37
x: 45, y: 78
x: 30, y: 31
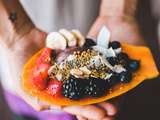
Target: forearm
x: 118, y: 7
x: 13, y: 18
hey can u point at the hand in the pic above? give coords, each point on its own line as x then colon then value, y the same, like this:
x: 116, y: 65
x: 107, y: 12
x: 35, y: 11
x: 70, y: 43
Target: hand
x: 22, y: 49
x: 122, y: 28
x: 19, y: 40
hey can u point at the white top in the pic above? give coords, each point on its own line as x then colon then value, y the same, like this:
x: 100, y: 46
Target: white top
x: 51, y: 15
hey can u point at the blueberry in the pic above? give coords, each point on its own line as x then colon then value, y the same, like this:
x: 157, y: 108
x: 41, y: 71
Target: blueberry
x: 123, y: 59
x: 115, y: 44
x: 134, y: 65
x: 112, y: 60
x: 125, y: 76
x: 114, y: 79
x: 123, y: 56
x: 89, y: 42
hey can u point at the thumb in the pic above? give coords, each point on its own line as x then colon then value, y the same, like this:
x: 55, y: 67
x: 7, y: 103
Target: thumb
x: 95, y: 28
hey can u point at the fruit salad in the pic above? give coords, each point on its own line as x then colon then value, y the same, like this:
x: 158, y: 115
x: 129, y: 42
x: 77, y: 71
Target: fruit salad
x: 87, y: 69
x: 74, y: 70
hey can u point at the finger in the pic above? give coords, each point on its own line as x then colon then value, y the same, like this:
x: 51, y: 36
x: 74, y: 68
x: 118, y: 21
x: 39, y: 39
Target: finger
x: 88, y: 111
x: 108, y: 118
x: 111, y: 109
x: 96, y: 28
x: 34, y: 103
x: 55, y: 107
x: 39, y: 37
x: 80, y: 118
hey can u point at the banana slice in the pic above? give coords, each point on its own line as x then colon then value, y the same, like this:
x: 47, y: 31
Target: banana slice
x: 55, y: 40
x: 79, y: 36
x: 69, y: 37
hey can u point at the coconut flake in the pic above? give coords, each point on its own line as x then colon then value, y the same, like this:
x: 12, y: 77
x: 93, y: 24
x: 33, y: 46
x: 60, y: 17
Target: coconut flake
x: 106, y: 52
x: 118, y: 50
x: 59, y: 76
x: 118, y: 68
x: 99, y: 60
x: 108, y: 76
x: 103, y: 37
x: 70, y: 58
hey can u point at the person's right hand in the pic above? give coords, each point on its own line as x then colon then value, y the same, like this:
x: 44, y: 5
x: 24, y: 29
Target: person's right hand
x: 123, y: 28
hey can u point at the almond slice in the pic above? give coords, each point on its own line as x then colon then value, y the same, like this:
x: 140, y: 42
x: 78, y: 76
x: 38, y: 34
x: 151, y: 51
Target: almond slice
x: 55, y: 40
x: 85, y: 70
x: 76, y: 72
x: 79, y: 36
x: 69, y: 37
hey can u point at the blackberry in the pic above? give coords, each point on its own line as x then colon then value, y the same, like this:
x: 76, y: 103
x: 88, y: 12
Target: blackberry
x: 112, y: 60
x: 114, y: 79
x: 122, y: 56
x: 89, y: 42
x: 123, y: 59
x: 73, y: 88
x: 115, y: 44
x: 125, y: 77
x: 95, y: 87
x: 134, y: 65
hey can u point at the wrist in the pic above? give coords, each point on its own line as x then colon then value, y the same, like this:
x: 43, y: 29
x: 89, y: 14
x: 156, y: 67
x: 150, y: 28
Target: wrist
x: 13, y: 18
x: 118, y: 7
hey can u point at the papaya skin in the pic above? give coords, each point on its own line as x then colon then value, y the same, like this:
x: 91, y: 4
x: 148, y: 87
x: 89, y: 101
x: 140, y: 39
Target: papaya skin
x: 147, y: 70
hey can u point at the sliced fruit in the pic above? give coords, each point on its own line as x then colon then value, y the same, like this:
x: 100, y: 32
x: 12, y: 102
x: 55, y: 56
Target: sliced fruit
x: 79, y: 36
x: 71, y: 40
x: 147, y: 70
x: 56, y: 41
x: 45, y: 56
x: 54, y: 88
x: 40, y: 73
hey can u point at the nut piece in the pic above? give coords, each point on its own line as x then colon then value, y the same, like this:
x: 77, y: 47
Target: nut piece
x: 79, y: 36
x: 76, y: 72
x: 59, y: 76
x: 69, y: 37
x: 55, y: 40
x: 85, y: 70
x: 50, y: 69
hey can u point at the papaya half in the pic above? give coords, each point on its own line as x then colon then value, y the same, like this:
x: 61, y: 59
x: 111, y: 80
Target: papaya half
x: 147, y: 70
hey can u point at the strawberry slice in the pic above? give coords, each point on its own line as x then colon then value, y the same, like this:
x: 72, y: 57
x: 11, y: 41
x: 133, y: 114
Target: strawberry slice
x: 45, y: 56
x: 40, y: 74
x: 54, y: 88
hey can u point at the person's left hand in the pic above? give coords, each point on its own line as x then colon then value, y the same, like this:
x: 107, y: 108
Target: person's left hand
x: 19, y: 40
x: 18, y: 49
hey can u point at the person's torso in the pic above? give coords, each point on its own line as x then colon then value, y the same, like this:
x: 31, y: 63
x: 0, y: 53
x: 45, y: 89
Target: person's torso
x: 51, y: 15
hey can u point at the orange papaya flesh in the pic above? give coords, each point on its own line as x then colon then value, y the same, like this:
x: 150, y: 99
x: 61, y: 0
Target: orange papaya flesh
x: 147, y: 70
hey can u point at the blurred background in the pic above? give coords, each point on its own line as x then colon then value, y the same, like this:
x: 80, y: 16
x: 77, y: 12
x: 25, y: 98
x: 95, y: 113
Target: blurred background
x: 142, y: 103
